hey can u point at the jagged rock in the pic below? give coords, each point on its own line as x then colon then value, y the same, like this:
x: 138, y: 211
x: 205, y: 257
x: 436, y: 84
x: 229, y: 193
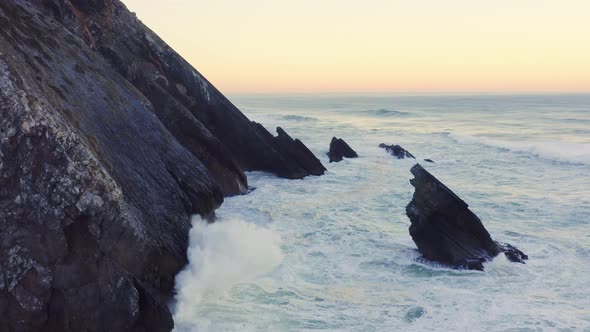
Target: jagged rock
x: 299, y: 153
x: 446, y: 231
x: 429, y: 161
x: 339, y: 149
x: 297, y: 161
x: 109, y: 142
x: 397, y: 151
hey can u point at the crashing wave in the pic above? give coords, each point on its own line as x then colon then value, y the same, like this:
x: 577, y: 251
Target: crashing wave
x: 221, y: 255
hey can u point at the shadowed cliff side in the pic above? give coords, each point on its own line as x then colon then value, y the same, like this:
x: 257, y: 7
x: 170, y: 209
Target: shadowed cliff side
x: 194, y: 111
x: 109, y: 141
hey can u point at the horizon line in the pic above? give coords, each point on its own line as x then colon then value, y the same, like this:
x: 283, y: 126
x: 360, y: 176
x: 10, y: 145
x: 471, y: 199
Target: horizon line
x: 414, y: 93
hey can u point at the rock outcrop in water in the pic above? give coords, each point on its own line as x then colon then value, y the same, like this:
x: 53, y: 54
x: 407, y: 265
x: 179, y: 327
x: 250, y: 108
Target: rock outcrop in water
x: 397, y: 151
x: 446, y: 231
x: 301, y: 156
x: 339, y: 149
x: 109, y: 141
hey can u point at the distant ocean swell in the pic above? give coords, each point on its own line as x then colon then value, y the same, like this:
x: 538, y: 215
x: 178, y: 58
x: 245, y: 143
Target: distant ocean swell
x: 385, y: 112
x: 552, y: 150
x: 297, y: 118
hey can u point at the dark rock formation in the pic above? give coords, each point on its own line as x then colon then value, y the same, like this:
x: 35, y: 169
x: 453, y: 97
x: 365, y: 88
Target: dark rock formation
x: 429, y: 161
x: 397, y: 151
x: 446, y: 231
x: 298, y: 160
x: 188, y: 105
x: 339, y: 149
x: 298, y: 153
x: 109, y: 142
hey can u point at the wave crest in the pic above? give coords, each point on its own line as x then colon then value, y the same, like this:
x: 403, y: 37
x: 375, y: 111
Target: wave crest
x: 386, y: 112
x: 298, y: 118
x: 553, y: 150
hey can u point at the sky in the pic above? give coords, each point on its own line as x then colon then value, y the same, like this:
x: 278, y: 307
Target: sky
x: 416, y: 46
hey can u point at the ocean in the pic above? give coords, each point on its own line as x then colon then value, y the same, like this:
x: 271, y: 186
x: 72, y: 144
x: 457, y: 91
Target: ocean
x: 333, y: 253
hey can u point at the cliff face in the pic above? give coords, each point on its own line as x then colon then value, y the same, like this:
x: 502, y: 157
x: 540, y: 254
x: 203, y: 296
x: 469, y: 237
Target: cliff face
x: 109, y: 141
x: 192, y: 109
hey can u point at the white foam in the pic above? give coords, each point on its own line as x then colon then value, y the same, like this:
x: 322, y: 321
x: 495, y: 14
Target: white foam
x: 349, y: 263
x: 221, y: 255
x: 560, y: 151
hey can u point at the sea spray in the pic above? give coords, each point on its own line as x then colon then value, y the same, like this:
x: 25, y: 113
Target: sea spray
x: 221, y: 255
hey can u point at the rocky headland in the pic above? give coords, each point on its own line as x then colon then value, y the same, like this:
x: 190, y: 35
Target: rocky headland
x: 109, y: 142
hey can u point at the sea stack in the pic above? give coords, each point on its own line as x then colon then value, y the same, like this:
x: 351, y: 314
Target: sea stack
x: 339, y: 149
x: 109, y: 142
x: 446, y: 231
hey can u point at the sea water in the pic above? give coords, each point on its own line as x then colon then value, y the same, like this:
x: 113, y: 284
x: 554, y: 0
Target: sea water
x: 333, y: 253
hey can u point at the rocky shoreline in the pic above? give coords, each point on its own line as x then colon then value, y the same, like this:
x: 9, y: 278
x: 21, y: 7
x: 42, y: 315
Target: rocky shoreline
x: 110, y: 141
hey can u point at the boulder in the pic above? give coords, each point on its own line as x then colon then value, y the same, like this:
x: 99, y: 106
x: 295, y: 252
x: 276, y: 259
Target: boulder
x: 397, y: 151
x: 446, y: 231
x: 339, y: 149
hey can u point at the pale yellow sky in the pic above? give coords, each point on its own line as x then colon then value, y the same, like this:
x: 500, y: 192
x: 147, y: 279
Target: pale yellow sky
x: 379, y: 45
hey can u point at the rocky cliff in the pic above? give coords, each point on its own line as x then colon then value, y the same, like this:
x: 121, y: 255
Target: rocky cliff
x: 109, y: 141
x: 190, y: 107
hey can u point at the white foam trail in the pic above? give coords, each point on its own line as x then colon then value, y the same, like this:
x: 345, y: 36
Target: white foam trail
x: 220, y: 256
x: 560, y: 151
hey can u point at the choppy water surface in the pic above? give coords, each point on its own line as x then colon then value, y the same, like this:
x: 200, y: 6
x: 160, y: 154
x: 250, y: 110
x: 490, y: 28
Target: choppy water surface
x: 333, y: 252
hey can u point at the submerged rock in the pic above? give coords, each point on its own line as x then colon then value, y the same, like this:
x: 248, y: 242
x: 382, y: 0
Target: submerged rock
x: 397, y: 151
x: 446, y: 231
x: 339, y: 149
x: 109, y: 142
